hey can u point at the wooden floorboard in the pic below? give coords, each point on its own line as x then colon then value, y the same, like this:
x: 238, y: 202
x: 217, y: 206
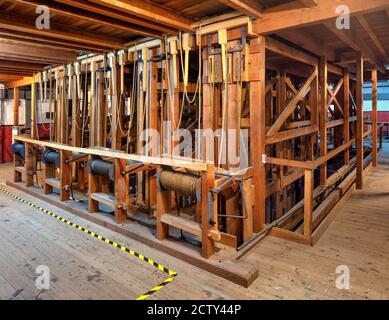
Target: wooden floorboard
x: 358, y: 237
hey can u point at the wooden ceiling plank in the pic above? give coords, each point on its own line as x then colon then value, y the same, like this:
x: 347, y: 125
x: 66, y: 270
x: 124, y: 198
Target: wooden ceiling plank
x: 292, y: 15
x: 366, y: 26
x: 18, y: 23
x: 152, y: 12
x: 111, y: 13
x: 24, y: 37
x: 249, y: 7
x: 355, y: 43
x: 93, y: 17
x: 309, y: 3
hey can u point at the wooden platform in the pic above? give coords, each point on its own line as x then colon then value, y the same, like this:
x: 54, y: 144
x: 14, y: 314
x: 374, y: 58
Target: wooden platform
x: 358, y: 237
x: 222, y: 264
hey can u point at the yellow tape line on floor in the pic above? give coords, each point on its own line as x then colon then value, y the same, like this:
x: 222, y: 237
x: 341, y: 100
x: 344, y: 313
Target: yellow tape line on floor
x: 171, y: 273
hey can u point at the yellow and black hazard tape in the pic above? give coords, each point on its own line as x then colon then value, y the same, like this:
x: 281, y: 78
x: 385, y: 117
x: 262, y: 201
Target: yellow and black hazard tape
x: 171, y: 273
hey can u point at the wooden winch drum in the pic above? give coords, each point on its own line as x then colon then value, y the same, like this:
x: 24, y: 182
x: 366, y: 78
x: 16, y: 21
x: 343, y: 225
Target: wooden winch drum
x: 51, y: 157
x: 102, y: 168
x: 19, y: 149
x: 183, y: 183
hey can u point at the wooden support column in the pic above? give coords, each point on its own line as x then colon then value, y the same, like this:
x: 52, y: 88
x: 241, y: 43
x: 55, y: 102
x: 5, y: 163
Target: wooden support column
x: 308, y: 202
x: 208, y: 205
x: 101, y: 112
x: 34, y: 133
x: 374, y: 114
x: 359, y: 137
x: 151, y: 193
x: 257, y: 80
x: 16, y: 106
x: 323, y: 75
x: 121, y: 191
x: 93, y: 115
x: 65, y: 176
x: 346, y: 112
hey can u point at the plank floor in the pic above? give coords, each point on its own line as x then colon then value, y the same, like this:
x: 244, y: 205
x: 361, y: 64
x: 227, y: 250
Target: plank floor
x: 84, y: 268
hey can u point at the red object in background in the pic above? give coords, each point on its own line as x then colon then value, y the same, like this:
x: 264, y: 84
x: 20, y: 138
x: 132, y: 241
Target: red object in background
x: 6, y: 140
x: 383, y: 116
x: 5, y: 144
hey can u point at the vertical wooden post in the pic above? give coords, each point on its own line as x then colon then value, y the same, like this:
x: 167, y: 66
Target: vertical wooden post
x: 65, y: 176
x: 101, y: 112
x: 346, y: 112
x: 16, y: 106
x: 257, y: 77
x: 33, y: 110
x: 359, y: 138
x: 308, y: 202
x: 374, y: 113
x: 93, y: 182
x: 121, y: 191
x: 151, y: 193
x: 163, y: 206
x: 323, y: 74
x: 93, y: 115
x: 30, y: 164
x: 207, y: 183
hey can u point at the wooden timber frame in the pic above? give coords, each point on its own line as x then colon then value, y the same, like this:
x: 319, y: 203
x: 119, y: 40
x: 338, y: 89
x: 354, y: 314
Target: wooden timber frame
x: 305, y: 125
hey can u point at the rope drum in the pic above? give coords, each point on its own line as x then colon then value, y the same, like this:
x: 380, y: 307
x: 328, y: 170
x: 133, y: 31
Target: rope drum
x: 180, y: 182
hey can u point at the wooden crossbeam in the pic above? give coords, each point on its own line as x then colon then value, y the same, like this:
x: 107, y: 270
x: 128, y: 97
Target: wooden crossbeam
x: 291, y: 105
x: 149, y: 11
x: 34, y: 54
x: 333, y: 95
x: 249, y: 7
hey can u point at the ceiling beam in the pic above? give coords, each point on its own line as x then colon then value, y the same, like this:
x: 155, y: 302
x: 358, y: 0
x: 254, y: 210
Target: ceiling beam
x: 23, y: 52
x: 309, y: 42
x: 354, y: 42
x: 21, y: 65
x: 67, y: 10
x: 26, y: 37
x: 292, y: 15
x: 19, y: 23
x: 249, y: 7
x: 366, y: 26
x: 309, y: 3
x: 149, y: 11
x: 119, y: 15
